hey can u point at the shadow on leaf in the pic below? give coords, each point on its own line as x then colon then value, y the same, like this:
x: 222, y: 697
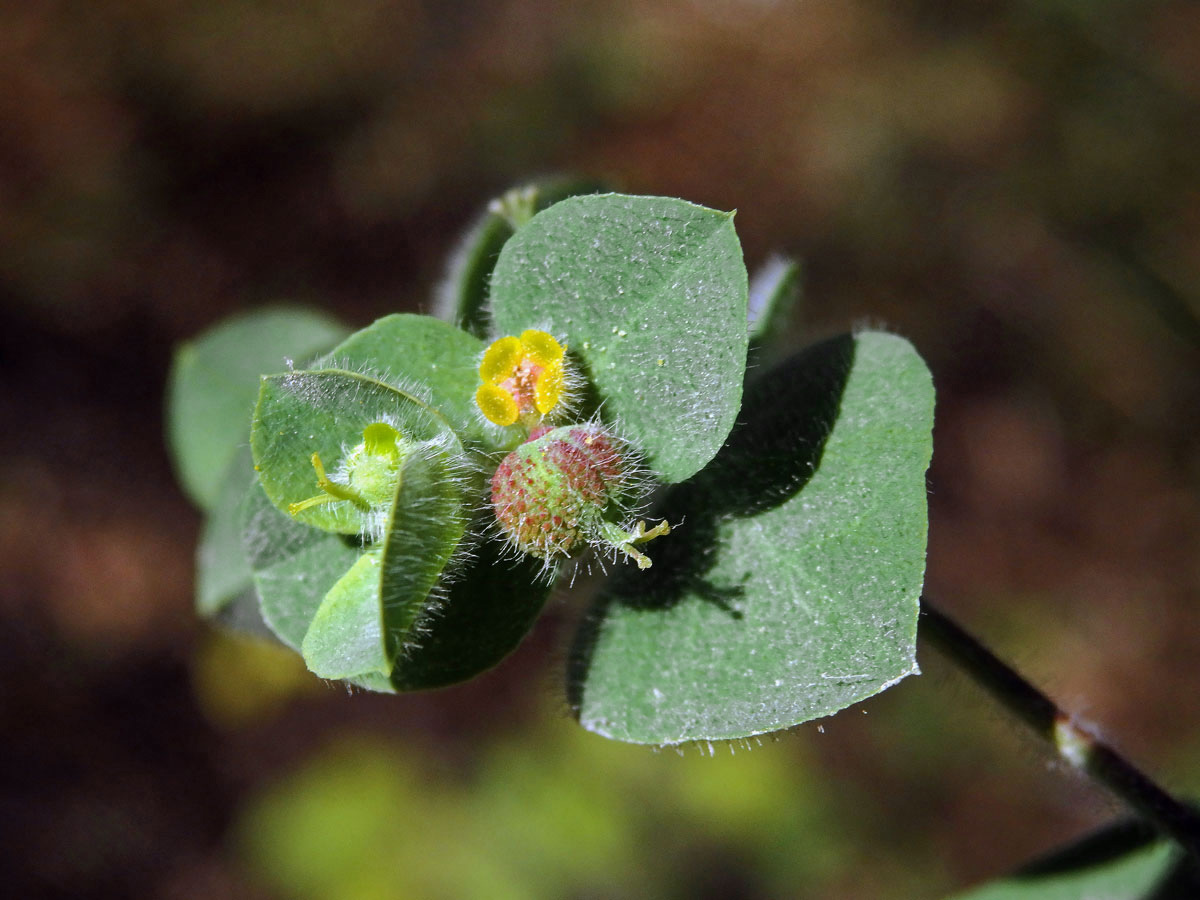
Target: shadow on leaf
x: 773, y: 451
x: 486, y: 613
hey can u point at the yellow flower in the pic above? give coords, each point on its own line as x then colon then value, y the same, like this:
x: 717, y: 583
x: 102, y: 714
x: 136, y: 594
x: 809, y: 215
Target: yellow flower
x: 524, y: 378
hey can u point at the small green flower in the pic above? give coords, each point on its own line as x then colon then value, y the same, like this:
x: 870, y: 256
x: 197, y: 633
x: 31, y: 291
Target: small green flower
x: 368, y: 475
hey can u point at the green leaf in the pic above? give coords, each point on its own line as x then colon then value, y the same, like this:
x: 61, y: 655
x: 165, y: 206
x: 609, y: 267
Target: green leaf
x: 324, y: 412
x: 437, y: 359
x: 222, y: 573
x: 650, y: 293
x: 381, y: 606
x: 1125, y: 861
x: 294, y: 566
x: 462, y: 296
x: 345, y: 637
x: 790, y: 588
x: 214, y: 382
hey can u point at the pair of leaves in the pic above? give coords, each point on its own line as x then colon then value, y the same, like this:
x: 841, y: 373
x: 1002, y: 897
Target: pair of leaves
x: 255, y: 561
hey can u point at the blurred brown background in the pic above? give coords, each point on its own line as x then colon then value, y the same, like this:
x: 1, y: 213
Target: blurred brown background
x: 1014, y: 185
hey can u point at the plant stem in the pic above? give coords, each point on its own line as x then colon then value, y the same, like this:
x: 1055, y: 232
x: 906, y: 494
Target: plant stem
x: 1075, y: 743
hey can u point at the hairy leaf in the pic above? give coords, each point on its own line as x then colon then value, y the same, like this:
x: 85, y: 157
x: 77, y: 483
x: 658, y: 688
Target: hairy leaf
x: 346, y: 636
x: 790, y: 588
x: 324, y: 412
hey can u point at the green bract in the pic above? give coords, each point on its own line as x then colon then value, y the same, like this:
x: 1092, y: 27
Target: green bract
x: 354, y: 506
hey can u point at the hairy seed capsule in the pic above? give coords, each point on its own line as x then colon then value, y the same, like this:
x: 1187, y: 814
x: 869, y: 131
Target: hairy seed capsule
x: 568, y: 488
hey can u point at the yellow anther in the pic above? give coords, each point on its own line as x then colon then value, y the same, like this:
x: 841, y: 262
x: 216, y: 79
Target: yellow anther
x: 496, y: 404
x: 524, y: 378
x: 541, y: 347
x: 501, y: 359
x: 548, y: 389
